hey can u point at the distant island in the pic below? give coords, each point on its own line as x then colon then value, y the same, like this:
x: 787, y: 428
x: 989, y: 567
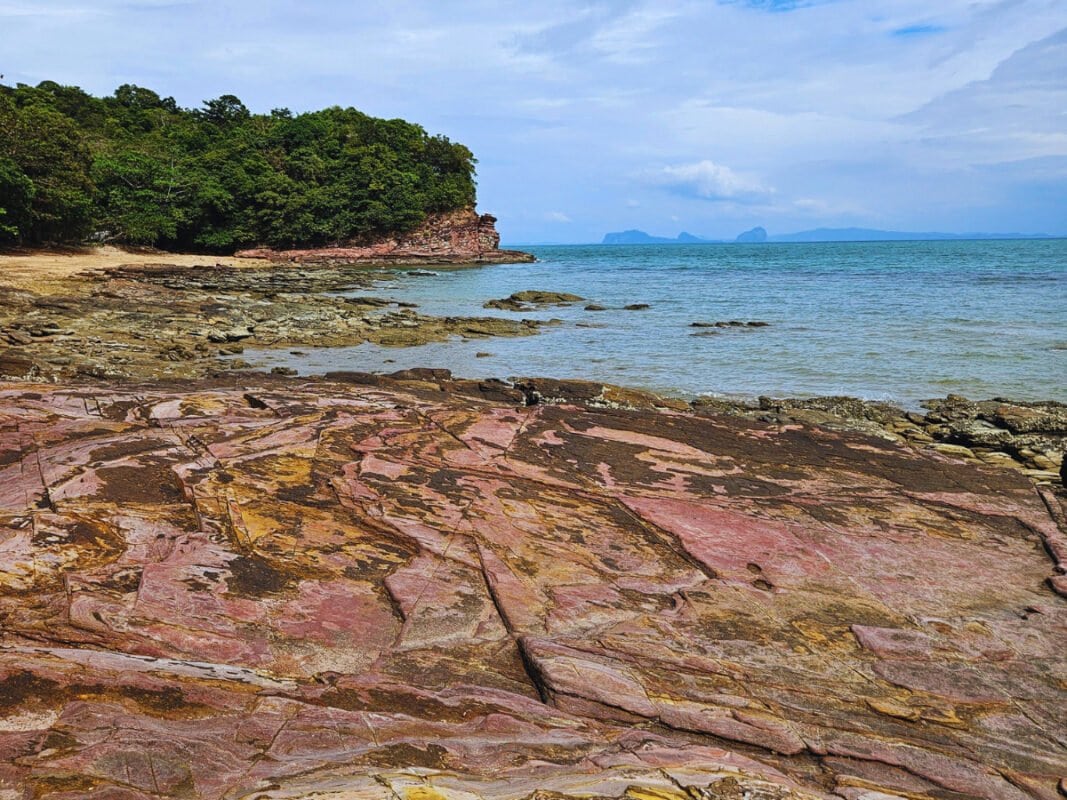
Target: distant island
x: 759, y: 235
x: 640, y: 237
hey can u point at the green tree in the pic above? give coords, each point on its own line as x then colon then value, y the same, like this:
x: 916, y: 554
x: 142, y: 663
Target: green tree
x: 16, y: 198
x: 48, y: 148
x: 140, y: 168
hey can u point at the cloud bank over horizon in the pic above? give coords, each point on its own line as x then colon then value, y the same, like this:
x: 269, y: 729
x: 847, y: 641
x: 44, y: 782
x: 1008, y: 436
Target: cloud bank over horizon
x: 664, y: 115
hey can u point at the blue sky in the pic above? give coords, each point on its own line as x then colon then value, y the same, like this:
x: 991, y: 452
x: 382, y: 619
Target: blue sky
x: 587, y: 117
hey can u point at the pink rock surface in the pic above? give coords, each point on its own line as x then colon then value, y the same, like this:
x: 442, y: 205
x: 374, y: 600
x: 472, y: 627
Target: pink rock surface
x: 352, y: 592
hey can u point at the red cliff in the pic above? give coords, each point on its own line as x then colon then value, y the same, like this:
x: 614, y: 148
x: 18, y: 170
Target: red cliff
x: 452, y: 237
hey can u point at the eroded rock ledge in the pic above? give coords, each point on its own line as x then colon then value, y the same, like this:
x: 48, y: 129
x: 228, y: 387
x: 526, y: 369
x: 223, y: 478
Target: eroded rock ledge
x: 402, y: 588
x: 454, y: 237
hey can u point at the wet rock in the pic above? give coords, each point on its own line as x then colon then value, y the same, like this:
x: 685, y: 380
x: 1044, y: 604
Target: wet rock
x: 368, y: 302
x: 596, y: 307
x: 545, y: 298
x: 157, y: 320
x: 530, y: 300
x: 636, y: 307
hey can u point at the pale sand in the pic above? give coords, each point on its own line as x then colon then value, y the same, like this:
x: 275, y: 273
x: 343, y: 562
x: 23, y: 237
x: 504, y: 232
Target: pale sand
x: 47, y: 271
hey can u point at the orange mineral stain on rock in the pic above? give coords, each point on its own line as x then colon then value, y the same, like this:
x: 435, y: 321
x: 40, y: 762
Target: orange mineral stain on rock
x: 408, y: 590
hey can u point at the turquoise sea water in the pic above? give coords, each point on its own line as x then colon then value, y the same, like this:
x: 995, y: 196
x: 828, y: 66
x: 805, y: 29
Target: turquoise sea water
x: 898, y: 321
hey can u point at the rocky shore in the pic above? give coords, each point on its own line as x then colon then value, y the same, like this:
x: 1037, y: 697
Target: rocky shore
x: 162, y: 320
x: 424, y: 588
x: 218, y: 583
x: 167, y: 321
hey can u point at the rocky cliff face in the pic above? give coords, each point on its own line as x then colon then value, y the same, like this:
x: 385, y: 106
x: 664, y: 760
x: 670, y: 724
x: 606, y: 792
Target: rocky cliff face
x: 402, y: 589
x: 460, y: 237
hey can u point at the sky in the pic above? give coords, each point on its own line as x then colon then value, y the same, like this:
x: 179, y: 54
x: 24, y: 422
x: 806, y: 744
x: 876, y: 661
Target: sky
x: 709, y: 117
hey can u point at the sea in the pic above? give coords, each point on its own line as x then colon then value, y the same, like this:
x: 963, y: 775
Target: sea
x: 889, y: 321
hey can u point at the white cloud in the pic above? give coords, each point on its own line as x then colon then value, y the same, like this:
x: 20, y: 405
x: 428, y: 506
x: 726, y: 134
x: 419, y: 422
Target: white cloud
x: 710, y: 181
x: 557, y: 216
x: 1015, y: 113
x: 630, y: 39
x: 810, y: 115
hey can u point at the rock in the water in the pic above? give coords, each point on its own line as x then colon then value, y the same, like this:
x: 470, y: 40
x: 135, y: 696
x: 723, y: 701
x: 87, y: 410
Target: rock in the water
x: 636, y: 307
x: 529, y: 300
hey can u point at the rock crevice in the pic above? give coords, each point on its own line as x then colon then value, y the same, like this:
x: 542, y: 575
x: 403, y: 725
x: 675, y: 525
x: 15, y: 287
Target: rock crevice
x: 398, y: 581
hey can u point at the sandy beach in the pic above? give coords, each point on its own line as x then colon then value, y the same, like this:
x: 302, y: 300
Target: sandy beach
x: 49, y: 271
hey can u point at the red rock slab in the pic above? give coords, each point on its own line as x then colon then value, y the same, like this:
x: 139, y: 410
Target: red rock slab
x: 394, y: 591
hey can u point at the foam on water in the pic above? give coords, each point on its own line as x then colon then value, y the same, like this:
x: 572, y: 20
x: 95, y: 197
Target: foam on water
x: 895, y: 321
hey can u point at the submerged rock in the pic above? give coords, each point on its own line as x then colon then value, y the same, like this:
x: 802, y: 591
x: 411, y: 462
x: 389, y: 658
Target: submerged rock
x: 420, y: 587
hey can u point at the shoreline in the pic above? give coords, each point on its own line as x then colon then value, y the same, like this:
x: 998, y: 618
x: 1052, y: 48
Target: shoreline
x: 628, y: 588
x: 109, y: 318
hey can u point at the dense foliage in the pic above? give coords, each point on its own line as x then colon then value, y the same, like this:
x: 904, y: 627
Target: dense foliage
x: 136, y: 168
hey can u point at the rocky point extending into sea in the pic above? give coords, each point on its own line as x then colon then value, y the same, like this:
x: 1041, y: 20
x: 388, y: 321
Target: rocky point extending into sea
x: 218, y: 583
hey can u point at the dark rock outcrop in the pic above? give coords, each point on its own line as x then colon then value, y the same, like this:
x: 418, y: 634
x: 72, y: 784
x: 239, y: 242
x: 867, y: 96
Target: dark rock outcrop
x: 531, y: 299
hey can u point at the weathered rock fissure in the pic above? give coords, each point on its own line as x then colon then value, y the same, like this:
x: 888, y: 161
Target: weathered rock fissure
x: 558, y: 599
